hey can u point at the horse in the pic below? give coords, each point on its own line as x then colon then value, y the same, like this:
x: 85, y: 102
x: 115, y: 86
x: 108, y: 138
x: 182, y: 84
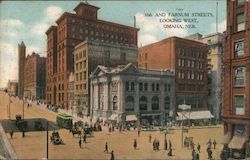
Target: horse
x: 74, y: 131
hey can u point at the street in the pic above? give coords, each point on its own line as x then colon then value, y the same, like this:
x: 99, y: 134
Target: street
x: 33, y: 145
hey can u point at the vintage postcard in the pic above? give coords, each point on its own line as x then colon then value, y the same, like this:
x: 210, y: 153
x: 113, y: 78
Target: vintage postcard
x: 128, y: 80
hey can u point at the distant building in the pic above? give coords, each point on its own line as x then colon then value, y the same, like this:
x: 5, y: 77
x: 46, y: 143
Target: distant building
x: 21, y: 61
x: 87, y: 56
x: 215, y: 44
x: 188, y: 60
x: 72, y: 29
x: 127, y: 93
x: 12, y: 88
x: 236, y: 101
x: 34, y: 76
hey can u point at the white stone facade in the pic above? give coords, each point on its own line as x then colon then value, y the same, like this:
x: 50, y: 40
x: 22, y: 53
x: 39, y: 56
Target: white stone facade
x: 125, y: 90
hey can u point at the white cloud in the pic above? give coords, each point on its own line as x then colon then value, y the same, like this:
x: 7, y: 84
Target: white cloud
x: 53, y: 12
x: 11, y: 22
x: 8, y: 61
x: 152, y: 30
x: 221, y: 26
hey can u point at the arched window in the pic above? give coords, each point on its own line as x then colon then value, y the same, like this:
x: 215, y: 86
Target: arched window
x: 155, y: 103
x: 129, y: 104
x: 143, y: 103
x: 115, y: 104
x: 167, y: 103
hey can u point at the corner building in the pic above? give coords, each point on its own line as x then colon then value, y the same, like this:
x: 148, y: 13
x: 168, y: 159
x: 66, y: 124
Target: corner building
x: 71, y: 29
x: 188, y: 60
x: 236, y: 101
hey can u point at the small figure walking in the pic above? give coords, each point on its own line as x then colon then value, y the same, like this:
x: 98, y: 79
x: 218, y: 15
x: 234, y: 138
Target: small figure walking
x: 214, y: 143
x: 209, y: 153
x: 170, y: 144
x: 84, y: 138
x: 139, y: 132
x: 209, y: 143
x: 135, y: 144
x: 11, y: 134
x: 80, y: 143
x: 112, y: 155
x: 170, y: 152
x: 166, y: 144
x: 199, y: 148
x: 106, y: 147
x: 150, y: 138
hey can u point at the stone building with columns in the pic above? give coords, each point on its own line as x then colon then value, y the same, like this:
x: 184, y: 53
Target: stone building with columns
x: 119, y: 93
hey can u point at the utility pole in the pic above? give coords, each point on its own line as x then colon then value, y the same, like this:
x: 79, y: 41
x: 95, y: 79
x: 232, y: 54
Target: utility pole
x: 47, y: 141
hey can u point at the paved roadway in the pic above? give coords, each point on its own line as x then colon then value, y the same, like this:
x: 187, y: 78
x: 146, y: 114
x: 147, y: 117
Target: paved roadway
x: 33, y: 145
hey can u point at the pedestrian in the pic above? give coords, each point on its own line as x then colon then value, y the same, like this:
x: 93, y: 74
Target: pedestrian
x: 23, y: 134
x: 106, y: 147
x: 149, y: 138
x: 214, y: 143
x: 11, y: 134
x: 199, y: 148
x: 84, y: 138
x: 112, y: 155
x: 80, y: 143
x: 139, y: 132
x: 135, y: 144
x: 209, y: 153
x: 209, y: 143
x: 154, y: 144
x: 170, y: 144
x: 193, y: 154
x: 166, y: 144
x: 157, y: 144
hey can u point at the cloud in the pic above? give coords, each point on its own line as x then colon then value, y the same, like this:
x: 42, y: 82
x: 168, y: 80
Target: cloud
x: 11, y: 22
x: 8, y: 55
x: 51, y: 14
x: 152, y: 30
x: 221, y: 26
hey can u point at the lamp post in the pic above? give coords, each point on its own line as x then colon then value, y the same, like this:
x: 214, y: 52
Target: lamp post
x: 183, y: 107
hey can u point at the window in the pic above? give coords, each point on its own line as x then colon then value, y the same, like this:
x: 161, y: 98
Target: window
x: 240, y: 2
x: 115, y: 104
x: 84, y: 75
x: 157, y: 87
x: 179, y: 62
x: 239, y: 104
x: 240, y: 22
x: 239, y: 48
x: 80, y: 76
x: 165, y: 87
x: 143, y: 103
x: 127, y: 86
x: 155, y: 103
x: 153, y: 87
x: 129, y: 104
x: 240, y: 73
x: 132, y: 86
x: 140, y: 86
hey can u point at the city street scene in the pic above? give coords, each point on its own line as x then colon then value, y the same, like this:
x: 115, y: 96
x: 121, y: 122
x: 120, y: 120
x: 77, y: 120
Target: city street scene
x: 125, y: 80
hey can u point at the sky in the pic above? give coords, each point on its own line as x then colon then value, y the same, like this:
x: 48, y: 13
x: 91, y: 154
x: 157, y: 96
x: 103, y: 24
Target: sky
x: 28, y: 21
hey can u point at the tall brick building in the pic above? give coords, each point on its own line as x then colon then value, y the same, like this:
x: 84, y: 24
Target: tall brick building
x: 188, y: 60
x: 71, y: 29
x: 21, y: 61
x: 34, y: 76
x: 236, y: 102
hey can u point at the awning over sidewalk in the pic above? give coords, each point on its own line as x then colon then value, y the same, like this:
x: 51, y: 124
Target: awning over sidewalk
x: 194, y: 115
x: 226, y: 138
x: 237, y: 142
x: 131, y: 118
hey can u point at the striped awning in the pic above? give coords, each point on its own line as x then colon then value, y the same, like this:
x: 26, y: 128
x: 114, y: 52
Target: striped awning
x: 131, y: 118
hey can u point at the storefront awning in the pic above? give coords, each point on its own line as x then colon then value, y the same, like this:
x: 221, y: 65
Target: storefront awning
x: 226, y: 138
x: 237, y: 142
x: 131, y: 118
x: 150, y: 114
x: 113, y: 117
x: 194, y: 115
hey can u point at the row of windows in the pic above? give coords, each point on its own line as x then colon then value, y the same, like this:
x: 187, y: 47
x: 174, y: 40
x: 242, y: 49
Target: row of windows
x: 191, y: 52
x: 80, y: 76
x: 190, y: 63
x: 80, y: 55
x: 80, y: 87
x: 80, y: 65
x: 144, y: 87
x: 182, y: 74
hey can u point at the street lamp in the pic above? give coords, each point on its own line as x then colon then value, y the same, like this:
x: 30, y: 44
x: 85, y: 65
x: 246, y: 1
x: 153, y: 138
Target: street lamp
x: 183, y: 107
